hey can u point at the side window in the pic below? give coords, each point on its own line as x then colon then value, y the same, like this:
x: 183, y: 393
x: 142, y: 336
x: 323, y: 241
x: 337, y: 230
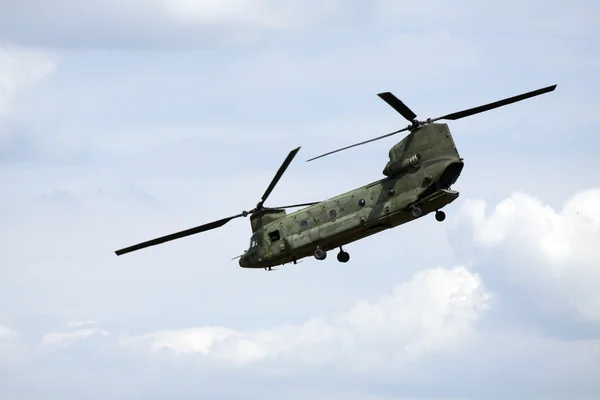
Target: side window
x: 274, y: 236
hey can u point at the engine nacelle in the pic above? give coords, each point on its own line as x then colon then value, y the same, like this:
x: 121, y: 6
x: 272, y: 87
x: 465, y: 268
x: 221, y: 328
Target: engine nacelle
x: 406, y: 166
x: 264, y: 217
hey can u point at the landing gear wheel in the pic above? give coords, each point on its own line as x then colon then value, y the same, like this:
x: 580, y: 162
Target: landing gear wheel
x: 320, y: 254
x: 440, y: 216
x: 343, y: 257
x: 416, y: 211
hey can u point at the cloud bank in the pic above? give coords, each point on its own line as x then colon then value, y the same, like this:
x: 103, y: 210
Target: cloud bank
x: 439, y: 319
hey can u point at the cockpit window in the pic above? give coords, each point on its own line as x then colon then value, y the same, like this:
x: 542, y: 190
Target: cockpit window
x: 253, y: 243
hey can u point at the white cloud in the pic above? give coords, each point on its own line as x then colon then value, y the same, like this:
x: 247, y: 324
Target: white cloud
x: 258, y: 13
x: 77, y: 324
x: 66, y: 339
x: 155, y: 23
x: 20, y: 70
x: 13, y: 352
x: 7, y: 333
x: 554, y: 253
x: 430, y: 334
x: 436, y: 309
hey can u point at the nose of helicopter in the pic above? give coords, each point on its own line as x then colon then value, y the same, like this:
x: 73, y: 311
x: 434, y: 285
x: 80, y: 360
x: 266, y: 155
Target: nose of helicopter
x: 244, y: 261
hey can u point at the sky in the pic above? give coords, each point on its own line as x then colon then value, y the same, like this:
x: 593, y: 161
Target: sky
x: 124, y: 120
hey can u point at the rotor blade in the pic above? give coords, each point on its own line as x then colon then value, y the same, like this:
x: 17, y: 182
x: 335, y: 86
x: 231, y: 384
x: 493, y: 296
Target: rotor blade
x: 298, y: 205
x: 280, y: 172
x: 361, y: 143
x: 398, y: 105
x: 177, y: 235
x: 496, y: 104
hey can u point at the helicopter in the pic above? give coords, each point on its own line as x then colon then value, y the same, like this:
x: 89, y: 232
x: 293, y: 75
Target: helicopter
x: 419, y: 174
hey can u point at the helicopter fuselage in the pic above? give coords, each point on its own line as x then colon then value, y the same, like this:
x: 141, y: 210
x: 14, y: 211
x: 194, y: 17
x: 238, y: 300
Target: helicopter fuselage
x: 421, y: 169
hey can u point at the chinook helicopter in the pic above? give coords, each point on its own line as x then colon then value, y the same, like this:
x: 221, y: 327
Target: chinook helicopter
x: 421, y: 169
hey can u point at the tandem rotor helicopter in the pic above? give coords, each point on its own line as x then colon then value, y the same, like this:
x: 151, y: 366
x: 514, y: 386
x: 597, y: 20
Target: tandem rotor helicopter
x: 421, y: 169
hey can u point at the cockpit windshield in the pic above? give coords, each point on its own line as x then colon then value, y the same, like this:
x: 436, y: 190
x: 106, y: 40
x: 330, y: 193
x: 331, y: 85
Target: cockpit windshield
x: 253, y: 243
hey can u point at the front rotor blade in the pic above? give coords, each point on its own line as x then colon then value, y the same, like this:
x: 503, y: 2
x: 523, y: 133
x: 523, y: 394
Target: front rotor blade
x: 297, y: 205
x: 496, y: 104
x: 177, y: 235
x: 280, y: 172
x: 358, y: 144
x: 398, y: 105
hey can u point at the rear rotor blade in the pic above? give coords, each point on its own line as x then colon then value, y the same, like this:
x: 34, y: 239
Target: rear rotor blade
x: 496, y: 104
x: 178, y: 235
x: 279, y: 173
x: 398, y: 105
x: 358, y: 144
x: 407, y: 113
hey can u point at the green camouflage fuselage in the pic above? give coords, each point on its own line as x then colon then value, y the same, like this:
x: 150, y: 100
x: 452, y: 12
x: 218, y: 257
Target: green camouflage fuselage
x: 421, y: 169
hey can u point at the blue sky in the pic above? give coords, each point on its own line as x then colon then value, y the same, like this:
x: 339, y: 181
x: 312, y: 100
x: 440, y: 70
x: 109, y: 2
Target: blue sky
x: 125, y: 120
